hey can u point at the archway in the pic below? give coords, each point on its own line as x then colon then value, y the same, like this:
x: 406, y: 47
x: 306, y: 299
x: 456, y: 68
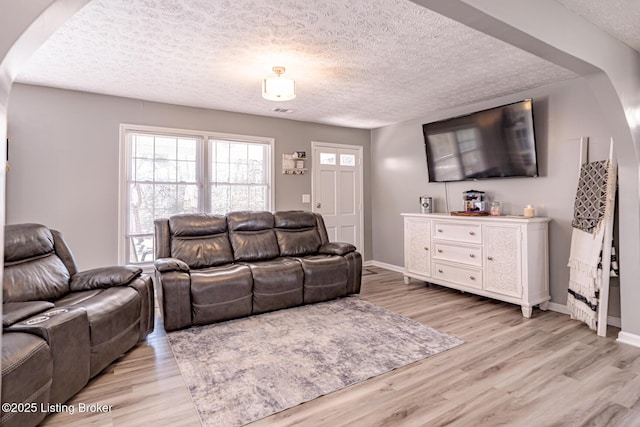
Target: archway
x: 24, y: 27
x: 547, y: 29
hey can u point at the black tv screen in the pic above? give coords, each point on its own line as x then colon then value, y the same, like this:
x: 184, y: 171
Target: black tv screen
x: 494, y: 143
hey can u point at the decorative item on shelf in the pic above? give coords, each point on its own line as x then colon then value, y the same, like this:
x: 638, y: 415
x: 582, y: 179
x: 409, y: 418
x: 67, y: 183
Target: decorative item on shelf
x: 293, y: 164
x: 474, y: 201
x: 529, y: 211
x: 494, y: 208
x: 278, y: 88
x: 426, y: 204
x: 468, y: 213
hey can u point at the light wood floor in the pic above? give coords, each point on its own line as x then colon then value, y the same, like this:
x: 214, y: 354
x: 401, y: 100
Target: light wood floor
x: 543, y: 371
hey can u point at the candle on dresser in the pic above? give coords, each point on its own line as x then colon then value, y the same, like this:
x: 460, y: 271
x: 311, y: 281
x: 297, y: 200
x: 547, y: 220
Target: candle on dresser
x: 529, y: 211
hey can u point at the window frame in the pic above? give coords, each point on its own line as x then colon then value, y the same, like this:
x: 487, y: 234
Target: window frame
x: 209, y: 182
x: 202, y: 171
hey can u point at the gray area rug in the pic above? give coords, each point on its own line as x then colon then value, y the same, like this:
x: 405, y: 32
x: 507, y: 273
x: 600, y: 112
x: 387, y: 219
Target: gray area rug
x: 243, y: 370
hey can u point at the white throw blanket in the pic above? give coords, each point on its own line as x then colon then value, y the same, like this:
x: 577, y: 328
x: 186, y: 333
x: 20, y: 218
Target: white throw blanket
x: 585, y: 277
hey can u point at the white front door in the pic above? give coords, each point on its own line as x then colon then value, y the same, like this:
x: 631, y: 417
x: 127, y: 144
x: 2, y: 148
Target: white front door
x: 337, y: 190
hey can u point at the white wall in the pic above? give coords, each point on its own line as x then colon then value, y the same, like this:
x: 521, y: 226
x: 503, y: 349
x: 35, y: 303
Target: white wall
x: 562, y: 113
x: 64, y: 160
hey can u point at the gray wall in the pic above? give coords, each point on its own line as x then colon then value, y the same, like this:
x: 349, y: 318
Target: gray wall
x: 64, y: 160
x: 563, y: 113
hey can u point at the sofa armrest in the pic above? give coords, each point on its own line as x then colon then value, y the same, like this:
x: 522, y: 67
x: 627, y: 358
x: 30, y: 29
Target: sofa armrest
x: 104, y: 277
x: 336, y: 248
x: 144, y: 286
x: 173, y: 285
x: 170, y: 264
x: 13, y: 312
x: 66, y: 330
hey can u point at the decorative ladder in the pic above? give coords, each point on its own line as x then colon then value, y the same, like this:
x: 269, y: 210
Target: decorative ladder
x: 605, y: 271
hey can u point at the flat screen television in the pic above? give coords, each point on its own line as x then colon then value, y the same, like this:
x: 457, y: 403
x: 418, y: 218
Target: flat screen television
x: 494, y: 143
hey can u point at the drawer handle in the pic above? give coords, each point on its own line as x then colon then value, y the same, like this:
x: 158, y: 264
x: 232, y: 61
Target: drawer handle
x: 440, y: 270
x: 439, y: 230
x: 490, y: 258
x: 426, y: 248
x: 472, y: 277
x: 439, y: 251
x: 473, y: 233
x: 472, y: 255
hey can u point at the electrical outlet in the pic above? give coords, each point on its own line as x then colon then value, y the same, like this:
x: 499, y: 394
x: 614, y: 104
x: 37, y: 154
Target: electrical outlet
x: 306, y: 198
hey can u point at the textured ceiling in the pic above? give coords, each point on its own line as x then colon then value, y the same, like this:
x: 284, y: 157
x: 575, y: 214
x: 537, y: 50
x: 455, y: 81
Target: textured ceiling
x: 357, y: 63
x: 620, y: 18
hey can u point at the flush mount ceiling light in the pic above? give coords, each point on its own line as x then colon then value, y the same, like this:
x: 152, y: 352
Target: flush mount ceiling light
x: 278, y: 88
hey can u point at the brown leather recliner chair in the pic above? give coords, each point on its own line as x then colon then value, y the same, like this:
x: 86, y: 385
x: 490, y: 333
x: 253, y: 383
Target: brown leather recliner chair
x: 62, y: 327
x: 211, y: 268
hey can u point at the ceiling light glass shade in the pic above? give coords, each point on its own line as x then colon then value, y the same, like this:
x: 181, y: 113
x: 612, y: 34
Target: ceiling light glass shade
x: 278, y: 88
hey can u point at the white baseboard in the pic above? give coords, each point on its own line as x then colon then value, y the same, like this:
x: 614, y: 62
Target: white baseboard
x: 614, y: 321
x: 558, y: 308
x: 561, y: 308
x: 384, y: 265
x: 627, y: 338
x: 553, y: 306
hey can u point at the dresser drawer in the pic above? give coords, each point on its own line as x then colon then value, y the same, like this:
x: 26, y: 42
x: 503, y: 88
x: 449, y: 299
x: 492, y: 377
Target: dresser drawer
x: 464, y: 254
x: 471, y: 277
x: 458, y: 231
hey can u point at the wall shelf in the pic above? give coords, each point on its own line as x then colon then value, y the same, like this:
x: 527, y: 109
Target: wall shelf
x: 293, y: 164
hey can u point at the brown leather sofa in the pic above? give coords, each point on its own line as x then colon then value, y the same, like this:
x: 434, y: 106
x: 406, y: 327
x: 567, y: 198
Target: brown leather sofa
x: 61, y: 327
x: 211, y: 268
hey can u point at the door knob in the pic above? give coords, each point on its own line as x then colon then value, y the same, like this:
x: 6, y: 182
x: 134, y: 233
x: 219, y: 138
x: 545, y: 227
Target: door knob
x: 318, y: 205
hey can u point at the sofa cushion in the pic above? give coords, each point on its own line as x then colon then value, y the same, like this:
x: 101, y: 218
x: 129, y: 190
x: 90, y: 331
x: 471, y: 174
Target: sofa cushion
x: 252, y: 236
x: 202, y: 252
x: 44, y: 278
x: 25, y: 241
x: 220, y: 293
x: 32, y: 270
x: 277, y: 284
x: 200, y: 240
x: 249, y: 221
x: 296, y: 233
x: 294, y: 219
x: 254, y: 245
x: 197, y: 224
x: 114, y: 321
x: 27, y: 370
x: 298, y: 242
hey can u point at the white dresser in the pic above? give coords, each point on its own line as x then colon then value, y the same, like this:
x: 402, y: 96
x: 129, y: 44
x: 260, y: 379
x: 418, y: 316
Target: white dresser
x: 505, y: 258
